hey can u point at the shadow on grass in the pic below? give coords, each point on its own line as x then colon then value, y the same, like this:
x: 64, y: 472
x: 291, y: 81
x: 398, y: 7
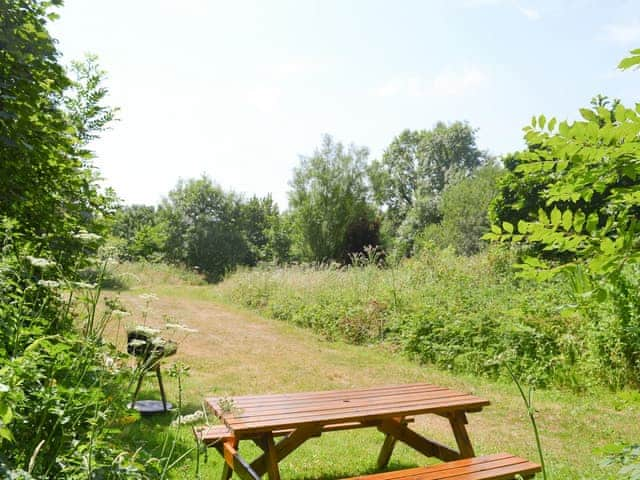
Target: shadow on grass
x: 351, y: 473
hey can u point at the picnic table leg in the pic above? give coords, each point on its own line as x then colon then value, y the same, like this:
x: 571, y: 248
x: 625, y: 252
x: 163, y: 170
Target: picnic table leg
x: 272, y: 458
x: 227, y: 471
x: 387, y: 447
x: 458, y: 420
x: 416, y: 441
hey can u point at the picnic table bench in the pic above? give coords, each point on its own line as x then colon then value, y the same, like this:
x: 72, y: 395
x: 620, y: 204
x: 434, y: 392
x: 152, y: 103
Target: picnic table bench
x: 297, y: 417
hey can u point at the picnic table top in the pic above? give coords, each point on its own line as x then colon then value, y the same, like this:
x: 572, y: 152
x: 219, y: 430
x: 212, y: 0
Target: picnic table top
x: 266, y: 413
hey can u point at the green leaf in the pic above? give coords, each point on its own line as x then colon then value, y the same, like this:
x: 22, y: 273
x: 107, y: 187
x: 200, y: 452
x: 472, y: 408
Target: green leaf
x: 507, y: 227
x: 523, y: 227
x: 567, y: 220
x: 556, y: 217
x: 496, y: 229
x: 592, y: 222
x: 542, y: 217
x: 552, y: 124
x: 542, y: 121
x: 607, y: 246
x: 588, y: 115
x: 564, y: 129
x: 533, y: 121
x: 629, y: 62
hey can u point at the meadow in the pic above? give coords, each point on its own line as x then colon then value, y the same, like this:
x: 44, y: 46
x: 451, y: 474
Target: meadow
x: 237, y: 351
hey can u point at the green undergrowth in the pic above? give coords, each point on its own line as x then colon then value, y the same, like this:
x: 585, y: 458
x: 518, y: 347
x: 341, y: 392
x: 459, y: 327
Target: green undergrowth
x: 464, y: 314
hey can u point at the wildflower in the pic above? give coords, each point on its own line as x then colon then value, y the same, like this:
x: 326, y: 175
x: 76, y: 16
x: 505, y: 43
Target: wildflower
x: 84, y: 285
x: 40, y: 262
x: 48, y: 283
x: 87, y: 237
x: 4, y: 388
x: 147, y: 330
x: 182, y: 419
x: 120, y: 313
x: 178, y: 326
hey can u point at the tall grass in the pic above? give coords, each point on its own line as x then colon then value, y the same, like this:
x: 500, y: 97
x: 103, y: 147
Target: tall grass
x: 466, y: 314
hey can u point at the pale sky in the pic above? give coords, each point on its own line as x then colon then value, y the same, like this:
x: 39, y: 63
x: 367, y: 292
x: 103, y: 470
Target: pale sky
x: 240, y: 89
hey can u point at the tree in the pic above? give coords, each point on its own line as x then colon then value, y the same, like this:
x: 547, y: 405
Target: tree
x: 329, y: 199
x: 409, y: 178
x: 204, y: 228
x: 464, y: 210
x: 141, y: 232
x: 520, y: 197
x: 264, y: 230
x: 47, y: 183
x: 591, y: 209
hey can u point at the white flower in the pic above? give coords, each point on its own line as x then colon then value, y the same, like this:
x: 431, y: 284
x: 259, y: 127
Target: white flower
x: 40, y: 262
x: 84, y: 285
x: 178, y: 326
x: 120, y: 313
x: 48, y: 283
x: 194, y: 417
x: 147, y: 330
x: 87, y: 237
x: 4, y: 388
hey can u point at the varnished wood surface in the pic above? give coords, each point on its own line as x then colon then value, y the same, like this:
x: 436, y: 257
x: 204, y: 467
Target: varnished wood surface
x: 490, y: 467
x: 266, y: 413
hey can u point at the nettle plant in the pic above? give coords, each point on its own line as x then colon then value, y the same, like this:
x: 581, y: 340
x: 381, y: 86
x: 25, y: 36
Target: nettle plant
x: 590, y: 195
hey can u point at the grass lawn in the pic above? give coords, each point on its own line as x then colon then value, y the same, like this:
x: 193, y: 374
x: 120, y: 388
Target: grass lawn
x: 236, y: 352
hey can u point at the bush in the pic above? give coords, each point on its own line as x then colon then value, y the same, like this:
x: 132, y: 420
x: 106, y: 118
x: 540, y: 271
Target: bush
x: 63, y: 390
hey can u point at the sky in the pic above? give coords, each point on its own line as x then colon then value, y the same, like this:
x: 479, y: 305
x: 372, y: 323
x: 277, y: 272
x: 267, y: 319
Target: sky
x: 240, y: 90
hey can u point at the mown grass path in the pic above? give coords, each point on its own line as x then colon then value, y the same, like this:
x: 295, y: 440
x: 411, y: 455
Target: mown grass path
x: 236, y: 352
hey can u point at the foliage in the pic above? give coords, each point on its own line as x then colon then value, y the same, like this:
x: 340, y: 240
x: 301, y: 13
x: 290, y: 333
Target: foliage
x: 204, y: 228
x: 329, y: 206
x: 464, y: 212
x: 62, y: 391
x: 589, y: 175
x: 264, y: 230
x: 463, y: 314
x: 46, y: 118
x: 140, y: 233
x: 414, y: 170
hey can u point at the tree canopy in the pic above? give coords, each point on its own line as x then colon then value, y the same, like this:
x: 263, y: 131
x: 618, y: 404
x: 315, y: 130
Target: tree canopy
x: 329, y: 202
x: 47, y: 181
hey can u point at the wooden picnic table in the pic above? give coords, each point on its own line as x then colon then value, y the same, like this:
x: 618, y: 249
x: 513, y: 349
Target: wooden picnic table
x: 300, y: 416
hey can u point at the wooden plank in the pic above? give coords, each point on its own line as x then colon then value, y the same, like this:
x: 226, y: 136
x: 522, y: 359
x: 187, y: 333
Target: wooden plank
x: 237, y: 463
x: 416, y: 441
x: 286, y: 446
x: 328, y: 393
x: 246, y: 412
x: 211, y: 435
x: 340, y: 409
x: 285, y: 399
x: 227, y: 451
x: 353, y: 415
x: 387, y: 448
x: 458, y: 420
x: 494, y: 467
x: 408, y: 472
x: 272, y: 459
x: 309, y: 403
